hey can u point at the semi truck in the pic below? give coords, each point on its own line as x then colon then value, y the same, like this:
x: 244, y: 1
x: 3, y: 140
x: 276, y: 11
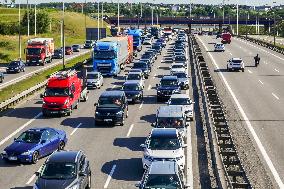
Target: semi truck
x: 110, y: 55
x: 137, y: 39
x: 39, y: 51
x: 226, y: 38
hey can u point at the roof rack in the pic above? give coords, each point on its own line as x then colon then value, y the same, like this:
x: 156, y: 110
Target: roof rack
x: 65, y: 74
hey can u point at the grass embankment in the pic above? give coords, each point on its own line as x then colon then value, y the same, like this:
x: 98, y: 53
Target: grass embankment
x: 23, y: 85
x: 74, y: 31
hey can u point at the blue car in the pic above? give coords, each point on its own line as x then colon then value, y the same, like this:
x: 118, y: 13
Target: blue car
x: 34, y: 144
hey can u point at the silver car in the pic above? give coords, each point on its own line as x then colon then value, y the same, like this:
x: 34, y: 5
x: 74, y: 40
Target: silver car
x: 94, y: 80
x: 184, y: 101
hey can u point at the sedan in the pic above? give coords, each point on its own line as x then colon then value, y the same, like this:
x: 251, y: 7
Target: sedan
x: 34, y: 144
x: 68, y: 50
x: 16, y: 66
x: 58, y: 54
x: 76, y: 48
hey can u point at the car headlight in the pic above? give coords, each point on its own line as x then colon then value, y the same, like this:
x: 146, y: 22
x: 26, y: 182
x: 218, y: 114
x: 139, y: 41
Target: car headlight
x: 158, y: 91
x: 179, y: 158
x: 66, y: 102
x: 119, y: 113
x: 25, y: 153
x: 185, y: 82
x: 4, y: 153
x: 149, y: 158
x: 40, y: 60
x: 97, y: 113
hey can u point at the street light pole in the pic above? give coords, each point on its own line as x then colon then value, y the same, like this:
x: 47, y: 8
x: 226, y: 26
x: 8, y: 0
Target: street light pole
x: 35, y: 20
x: 98, y: 21
x: 63, y: 35
x: 118, y: 12
x: 28, y: 15
x: 20, y: 47
x: 238, y: 19
x: 102, y: 14
x: 152, y: 16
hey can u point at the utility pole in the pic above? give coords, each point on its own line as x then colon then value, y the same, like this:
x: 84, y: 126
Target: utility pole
x: 190, y: 9
x: 20, y: 47
x: 102, y: 14
x: 63, y: 35
x: 247, y: 25
x: 98, y: 20
x: 274, y: 23
x: 35, y: 20
x: 85, y: 12
x: 118, y: 15
x: 223, y: 11
x: 152, y: 16
x: 28, y: 15
x: 238, y: 19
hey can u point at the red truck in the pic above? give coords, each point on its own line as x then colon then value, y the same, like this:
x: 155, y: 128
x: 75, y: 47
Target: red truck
x: 63, y: 93
x: 226, y: 38
x: 39, y: 51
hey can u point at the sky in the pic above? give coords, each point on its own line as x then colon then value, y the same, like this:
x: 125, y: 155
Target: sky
x: 247, y: 2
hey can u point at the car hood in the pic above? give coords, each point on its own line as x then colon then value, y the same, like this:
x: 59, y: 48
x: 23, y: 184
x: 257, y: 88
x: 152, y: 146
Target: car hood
x: 168, y: 87
x: 20, y: 147
x: 53, y: 183
x: 182, y: 79
x: 92, y: 80
x: 164, y: 153
x: 131, y: 93
x: 55, y: 99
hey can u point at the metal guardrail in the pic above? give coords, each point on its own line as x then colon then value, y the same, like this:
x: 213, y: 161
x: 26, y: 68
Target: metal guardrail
x: 232, y: 166
x: 264, y: 44
x: 19, y: 97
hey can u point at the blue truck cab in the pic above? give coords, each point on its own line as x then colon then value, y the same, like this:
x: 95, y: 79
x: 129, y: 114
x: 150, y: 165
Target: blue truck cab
x: 137, y: 39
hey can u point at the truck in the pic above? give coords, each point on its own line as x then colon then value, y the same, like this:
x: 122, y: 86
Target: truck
x: 63, y: 93
x: 110, y: 55
x: 137, y: 39
x: 39, y: 51
x: 226, y: 38
x: 168, y: 31
x: 156, y: 31
x: 130, y: 49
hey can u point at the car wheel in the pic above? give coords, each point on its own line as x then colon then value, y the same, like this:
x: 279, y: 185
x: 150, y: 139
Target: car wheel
x: 35, y: 157
x: 69, y: 112
x: 61, y: 145
x: 89, y: 181
x: 243, y: 69
x: 122, y: 122
x: 24, y: 69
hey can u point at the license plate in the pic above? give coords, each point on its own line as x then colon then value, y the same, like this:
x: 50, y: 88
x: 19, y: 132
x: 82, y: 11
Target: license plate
x: 53, y: 112
x: 129, y: 99
x: 107, y: 119
x: 12, y: 158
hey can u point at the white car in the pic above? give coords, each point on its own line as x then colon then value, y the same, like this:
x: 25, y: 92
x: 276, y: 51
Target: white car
x: 219, y: 47
x: 163, y: 144
x: 185, y: 102
x: 147, y: 41
x: 236, y: 64
x: 94, y: 80
x: 136, y: 76
x: 178, y: 67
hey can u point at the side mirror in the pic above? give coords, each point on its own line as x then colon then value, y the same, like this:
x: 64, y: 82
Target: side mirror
x: 143, y: 145
x: 71, y: 95
x: 15, y: 139
x: 184, y: 146
x: 138, y: 184
x: 43, y: 141
x: 82, y: 174
x: 41, y: 95
x: 157, y: 85
x: 37, y: 173
x: 153, y: 124
x: 95, y: 104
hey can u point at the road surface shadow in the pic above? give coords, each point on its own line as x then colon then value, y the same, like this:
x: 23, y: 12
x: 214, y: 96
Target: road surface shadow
x: 126, y: 169
x: 132, y: 143
x: 250, y: 66
x: 150, y: 118
x: 272, y: 75
x: 222, y: 70
x: 22, y: 187
x: 86, y: 122
x: 24, y: 112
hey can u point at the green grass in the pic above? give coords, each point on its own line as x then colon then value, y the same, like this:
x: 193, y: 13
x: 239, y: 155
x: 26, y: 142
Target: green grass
x: 74, y: 32
x: 23, y: 85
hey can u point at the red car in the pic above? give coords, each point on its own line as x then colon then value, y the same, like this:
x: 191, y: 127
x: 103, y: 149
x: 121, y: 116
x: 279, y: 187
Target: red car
x: 68, y: 50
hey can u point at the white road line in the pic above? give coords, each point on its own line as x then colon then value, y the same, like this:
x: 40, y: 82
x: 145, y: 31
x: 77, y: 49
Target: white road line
x: 149, y: 87
x: 109, y: 176
x: 249, y: 71
x: 31, y: 179
x: 276, y: 70
x: 141, y: 105
x: 251, y: 129
x: 231, y: 54
x: 154, y: 76
x: 260, y: 82
x: 130, y: 129
x: 113, y: 86
x: 19, y: 129
x: 75, y: 129
x: 189, y: 160
x: 275, y: 96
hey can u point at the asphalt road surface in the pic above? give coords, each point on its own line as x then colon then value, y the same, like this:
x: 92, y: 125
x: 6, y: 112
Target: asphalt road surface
x: 258, y: 94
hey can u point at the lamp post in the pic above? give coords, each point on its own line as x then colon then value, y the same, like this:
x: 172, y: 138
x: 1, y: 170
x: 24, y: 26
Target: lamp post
x: 19, y: 28
x: 118, y: 15
x: 63, y: 35
x: 98, y: 24
x: 238, y: 18
x: 274, y: 25
x: 28, y: 15
x: 35, y: 19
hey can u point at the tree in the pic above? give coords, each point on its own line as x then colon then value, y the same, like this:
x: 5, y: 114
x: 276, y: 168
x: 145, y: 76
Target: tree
x: 43, y: 22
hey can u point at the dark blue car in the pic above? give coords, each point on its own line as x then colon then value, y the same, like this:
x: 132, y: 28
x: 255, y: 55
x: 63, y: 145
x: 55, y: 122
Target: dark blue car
x: 169, y: 85
x: 34, y: 144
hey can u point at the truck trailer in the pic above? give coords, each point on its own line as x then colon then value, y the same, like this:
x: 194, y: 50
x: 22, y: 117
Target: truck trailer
x: 137, y: 39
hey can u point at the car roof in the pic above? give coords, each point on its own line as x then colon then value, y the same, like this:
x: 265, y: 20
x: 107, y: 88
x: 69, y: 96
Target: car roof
x: 169, y: 77
x: 163, y: 167
x: 170, y: 111
x: 131, y: 82
x: 180, y: 96
x: 112, y: 93
x: 94, y: 72
x: 63, y: 156
x: 41, y: 129
x: 164, y: 133
x: 134, y: 70
x: 236, y: 59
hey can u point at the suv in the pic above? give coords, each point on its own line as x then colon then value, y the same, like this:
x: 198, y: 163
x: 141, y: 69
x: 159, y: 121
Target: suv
x: 112, y: 107
x: 163, y: 174
x: 168, y: 86
x: 163, y: 144
x: 171, y: 117
x: 16, y: 66
x: 89, y: 44
x: 236, y: 64
x: 133, y: 91
x: 219, y: 47
x: 185, y: 102
x: 65, y: 169
x: 94, y: 80
x: 183, y: 79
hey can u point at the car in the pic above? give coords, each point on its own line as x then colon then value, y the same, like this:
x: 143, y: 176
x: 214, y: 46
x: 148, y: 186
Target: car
x: 15, y: 66
x: 133, y: 91
x: 135, y: 76
x: 168, y: 85
x: 65, y: 170
x: 147, y: 61
x: 163, y: 41
x: 163, y: 174
x: 219, y: 35
x: 35, y: 143
x: 219, y: 47
x: 76, y: 48
x: 112, y: 108
x: 183, y: 79
x: 185, y: 102
x: 163, y: 143
x: 180, y: 58
x: 58, y: 54
x: 89, y: 44
x: 236, y: 64
x: 94, y: 80
x: 132, y: 70
x: 152, y: 52
x: 178, y: 67
x: 68, y: 50
x: 172, y: 117
x: 147, y: 41
x: 157, y: 47
x: 1, y: 77
x: 148, y: 56
x: 144, y: 67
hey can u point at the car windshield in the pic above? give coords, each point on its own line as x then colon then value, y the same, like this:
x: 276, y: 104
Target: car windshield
x: 164, y: 143
x: 179, y: 101
x: 110, y: 101
x: 15, y: 63
x: 156, y: 47
x: 92, y: 76
x: 136, y: 38
x: 57, y: 51
x: 76, y: 46
x: 170, y: 122
x: 58, y: 170
x: 57, y: 92
x: 33, y: 51
x: 179, y: 58
x: 30, y: 137
x: 167, y: 82
x: 180, y: 75
x: 162, y: 181
x: 88, y: 42
x: 177, y: 66
x: 131, y: 87
x: 134, y: 77
x: 104, y: 55
x: 236, y: 61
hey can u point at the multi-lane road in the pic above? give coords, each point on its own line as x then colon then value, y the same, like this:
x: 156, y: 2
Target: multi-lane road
x: 258, y: 95
x: 114, y: 152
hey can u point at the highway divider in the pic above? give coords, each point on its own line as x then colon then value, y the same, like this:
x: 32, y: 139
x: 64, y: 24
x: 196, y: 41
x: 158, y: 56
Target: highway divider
x: 15, y: 93
x: 226, y: 162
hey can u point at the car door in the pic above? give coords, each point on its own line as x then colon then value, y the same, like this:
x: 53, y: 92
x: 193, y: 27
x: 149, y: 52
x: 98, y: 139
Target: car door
x: 83, y: 168
x: 54, y: 140
x: 46, y: 146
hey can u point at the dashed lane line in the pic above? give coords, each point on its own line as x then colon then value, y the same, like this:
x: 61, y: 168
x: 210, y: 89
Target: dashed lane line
x: 110, y: 176
x: 260, y: 82
x: 130, y: 129
x: 79, y: 125
x: 275, y: 96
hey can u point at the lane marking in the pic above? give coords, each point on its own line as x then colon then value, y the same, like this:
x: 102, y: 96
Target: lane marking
x: 154, y: 76
x: 251, y: 129
x: 275, y: 96
x: 20, y: 128
x: 189, y: 159
x: 141, y: 104
x: 75, y: 129
x: 260, y: 82
x: 109, y: 176
x: 149, y: 87
x: 130, y: 129
x: 276, y: 70
x: 249, y: 71
x: 113, y: 86
x: 31, y: 179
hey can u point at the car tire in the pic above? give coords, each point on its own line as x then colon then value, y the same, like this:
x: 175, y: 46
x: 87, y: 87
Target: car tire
x: 35, y: 157
x: 243, y: 70
x: 61, y: 145
x: 69, y: 112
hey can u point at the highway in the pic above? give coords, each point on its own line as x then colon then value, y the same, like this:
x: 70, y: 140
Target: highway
x: 114, y: 152
x: 258, y: 95
x: 12, y: 78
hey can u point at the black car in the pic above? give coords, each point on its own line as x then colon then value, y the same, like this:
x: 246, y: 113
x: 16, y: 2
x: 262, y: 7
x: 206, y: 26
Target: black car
x: 133, y: 91
x: 64, y: 169
x: 112, y: 108
x: 148, y: 56
x: 157, y: 47
x: 76, y: 48
x: 146, y: 69
x: 16, y: 66
x: 168, y: 85
x: 152, y: 52
x: 1, y: 77
x: 58, y: 54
